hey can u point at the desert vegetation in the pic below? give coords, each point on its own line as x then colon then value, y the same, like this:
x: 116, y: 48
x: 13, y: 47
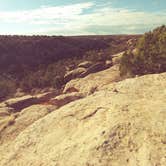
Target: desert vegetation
x: 29, y: 62
x: 7, y: 87
x: 149, y: 55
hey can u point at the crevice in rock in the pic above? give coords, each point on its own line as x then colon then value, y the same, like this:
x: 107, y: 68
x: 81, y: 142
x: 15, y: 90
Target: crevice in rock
x: 92, y: 114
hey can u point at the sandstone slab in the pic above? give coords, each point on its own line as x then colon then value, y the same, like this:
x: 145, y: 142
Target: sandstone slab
x: 121, y: 124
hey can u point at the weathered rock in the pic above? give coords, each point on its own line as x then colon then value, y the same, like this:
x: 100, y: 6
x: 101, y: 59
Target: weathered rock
x: 94, y: 81
x: 25, y: 118
x: 108, y: 63
x: 74, y: 74
x: 6, y: 118
x: 85, y: 64
x: 93, y: 69
x: 5, y: 111
x: 2, y: 105
x: 21, y: 102
x: 63, y: 99
x: 46, y: 96
x: 71, y: 89
x: 125, y: 127
x: 6, y: 121
x: 116, y: 58
x: 47, y: 90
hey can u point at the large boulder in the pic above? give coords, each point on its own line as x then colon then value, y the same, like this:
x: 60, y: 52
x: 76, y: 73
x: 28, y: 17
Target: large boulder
x: 85, y: 64
x: 121, y: 125
x: 74, y: 74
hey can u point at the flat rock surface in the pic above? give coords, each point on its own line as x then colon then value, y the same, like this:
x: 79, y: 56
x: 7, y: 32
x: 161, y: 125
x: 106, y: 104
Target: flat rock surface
x: 123, y: 124
x: 23, y: 119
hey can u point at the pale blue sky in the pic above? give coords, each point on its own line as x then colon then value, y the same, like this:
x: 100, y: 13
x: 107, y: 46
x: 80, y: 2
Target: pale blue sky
x: 80, y: 17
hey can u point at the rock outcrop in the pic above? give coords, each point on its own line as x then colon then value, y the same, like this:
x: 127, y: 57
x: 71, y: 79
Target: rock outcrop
x: 23, y: 119
x: 116, y: 58
x: 85, y: 64
x: 85, y: 68
x: 20, y: 102
x: 121, y: 124
x: 94, y: 68
x: 74, y: 74
x: 93, y: 82
x: 44, y: 97
x: 6, y: 118
x: 63, y: 99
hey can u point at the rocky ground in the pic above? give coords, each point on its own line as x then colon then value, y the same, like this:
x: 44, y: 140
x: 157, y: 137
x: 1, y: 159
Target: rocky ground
x: 99, y: 120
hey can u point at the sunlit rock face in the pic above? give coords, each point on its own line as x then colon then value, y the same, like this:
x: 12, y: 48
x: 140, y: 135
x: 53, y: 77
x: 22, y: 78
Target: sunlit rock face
x: 122, y: 123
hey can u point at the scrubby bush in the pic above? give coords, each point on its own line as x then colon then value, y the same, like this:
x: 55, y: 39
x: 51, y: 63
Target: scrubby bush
x: 7, y: 88
x: 96, y: 56
x: 39, y: 62
x: 45, y: 76
x: 150, y: 54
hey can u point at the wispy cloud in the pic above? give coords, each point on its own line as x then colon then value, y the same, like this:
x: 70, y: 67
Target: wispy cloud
x: 75, y: 20
x: 45, y: 14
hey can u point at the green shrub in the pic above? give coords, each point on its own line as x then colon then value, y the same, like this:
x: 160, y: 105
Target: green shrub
x: 150, y: 56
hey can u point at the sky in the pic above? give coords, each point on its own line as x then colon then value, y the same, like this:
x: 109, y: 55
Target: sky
x: 80, y: 17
